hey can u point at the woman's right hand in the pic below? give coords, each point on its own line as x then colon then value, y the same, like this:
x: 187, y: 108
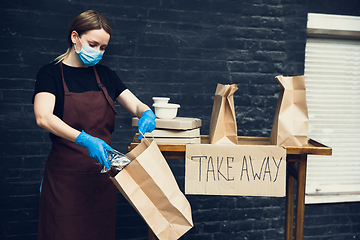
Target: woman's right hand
x: 95, y: 147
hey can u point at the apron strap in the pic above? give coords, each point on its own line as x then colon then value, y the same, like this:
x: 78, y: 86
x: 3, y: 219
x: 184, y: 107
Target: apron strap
x: 103, y: 89
x: 62, y: 76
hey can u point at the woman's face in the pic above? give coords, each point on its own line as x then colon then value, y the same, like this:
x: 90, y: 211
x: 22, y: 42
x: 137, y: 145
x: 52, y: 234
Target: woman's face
x: 97, y: 39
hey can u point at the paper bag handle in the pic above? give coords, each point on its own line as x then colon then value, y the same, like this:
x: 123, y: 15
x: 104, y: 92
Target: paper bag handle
x: 145, y: 137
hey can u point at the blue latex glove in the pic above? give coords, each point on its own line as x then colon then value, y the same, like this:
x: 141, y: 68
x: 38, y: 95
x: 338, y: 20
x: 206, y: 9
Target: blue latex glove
x: 146, y: 123
x: 95, y: 147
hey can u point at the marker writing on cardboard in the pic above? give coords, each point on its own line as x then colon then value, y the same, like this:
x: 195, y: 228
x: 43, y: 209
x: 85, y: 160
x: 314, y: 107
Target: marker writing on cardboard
x: 214, y: 170
x: 211, y: 169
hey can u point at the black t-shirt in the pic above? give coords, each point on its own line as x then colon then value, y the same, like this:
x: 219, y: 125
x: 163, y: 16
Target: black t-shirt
x: 78, y: 80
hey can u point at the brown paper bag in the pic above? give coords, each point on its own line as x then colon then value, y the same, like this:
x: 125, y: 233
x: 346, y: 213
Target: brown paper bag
x: 290, y: 126
x: 149, y: 185
x: 223, y: 128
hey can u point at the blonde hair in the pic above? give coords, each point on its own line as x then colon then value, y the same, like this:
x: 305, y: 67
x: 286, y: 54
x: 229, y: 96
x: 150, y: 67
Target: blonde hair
x: 85, y: 21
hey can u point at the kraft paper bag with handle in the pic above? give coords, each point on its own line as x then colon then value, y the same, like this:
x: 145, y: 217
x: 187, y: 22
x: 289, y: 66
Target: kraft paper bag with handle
x: 150, y: 187
x: 223, y: 128
x: 291, y: 121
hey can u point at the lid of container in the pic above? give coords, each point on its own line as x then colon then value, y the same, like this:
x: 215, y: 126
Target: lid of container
x: 166, y: 105
x: 161, y: 98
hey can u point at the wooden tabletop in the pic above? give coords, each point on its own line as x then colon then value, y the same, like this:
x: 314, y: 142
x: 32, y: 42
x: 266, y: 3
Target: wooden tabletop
x: 313, y: 147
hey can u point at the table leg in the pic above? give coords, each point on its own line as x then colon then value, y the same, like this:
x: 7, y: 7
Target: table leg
x: 300, y: 200
x: 151, y: 235
x: 289, y: 211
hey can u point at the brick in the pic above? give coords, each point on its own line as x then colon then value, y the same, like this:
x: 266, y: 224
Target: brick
x: 261, y: 224
x: 196, y: 237
x: 271, y: 212
x: 150, y: 51
x: 251, y: 213
x: 274, y: 234
x: 268, y: 202
x: 164, y: 15
x: 185, y: 5
x: 234, y: 236
x: 130, y: 220
x: 208, y: 215
x: 211, y: 227
x: 245, y: 224
x: 158, y: 64
x: 278, y: 223
x: 196, y: 65
x: 23, y: 214
x: 27, y: 227
x: 254, y: 235
x: 139, y: 3
x: 229, y: 227
x: 123, y: 53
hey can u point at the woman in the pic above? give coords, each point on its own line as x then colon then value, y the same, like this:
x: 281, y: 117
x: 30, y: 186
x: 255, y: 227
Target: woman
x: 74, y: 100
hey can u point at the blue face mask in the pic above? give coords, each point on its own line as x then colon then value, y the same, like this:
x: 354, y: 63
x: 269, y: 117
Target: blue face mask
x: 88, y: 56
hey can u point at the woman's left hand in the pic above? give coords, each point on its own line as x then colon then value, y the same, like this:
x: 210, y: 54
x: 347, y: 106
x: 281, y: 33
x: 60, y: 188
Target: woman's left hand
x: 146, y: 123
x: 131, y: 103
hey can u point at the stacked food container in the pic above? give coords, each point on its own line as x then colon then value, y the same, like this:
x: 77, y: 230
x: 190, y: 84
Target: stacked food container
x: 172, y: 129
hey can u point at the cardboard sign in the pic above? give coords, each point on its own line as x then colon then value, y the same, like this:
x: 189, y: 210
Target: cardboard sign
x: 243, y: 170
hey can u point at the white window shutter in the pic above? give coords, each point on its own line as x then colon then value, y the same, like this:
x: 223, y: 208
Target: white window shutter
x: 332, y: 76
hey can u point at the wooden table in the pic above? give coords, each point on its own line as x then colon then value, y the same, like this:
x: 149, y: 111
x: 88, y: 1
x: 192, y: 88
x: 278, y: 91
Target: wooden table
x: 296, y: 158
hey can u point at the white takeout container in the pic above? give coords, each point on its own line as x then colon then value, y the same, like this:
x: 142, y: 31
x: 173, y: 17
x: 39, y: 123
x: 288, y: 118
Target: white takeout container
x: 166, y: 111
x: 161, y: 100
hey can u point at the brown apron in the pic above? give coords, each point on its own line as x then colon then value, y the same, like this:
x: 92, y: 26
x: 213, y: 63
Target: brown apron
x: 77, y: 201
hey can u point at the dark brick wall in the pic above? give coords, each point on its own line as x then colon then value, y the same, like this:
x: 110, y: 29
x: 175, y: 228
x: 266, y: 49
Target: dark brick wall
x: 180, y: 49
x: 332, y: 221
